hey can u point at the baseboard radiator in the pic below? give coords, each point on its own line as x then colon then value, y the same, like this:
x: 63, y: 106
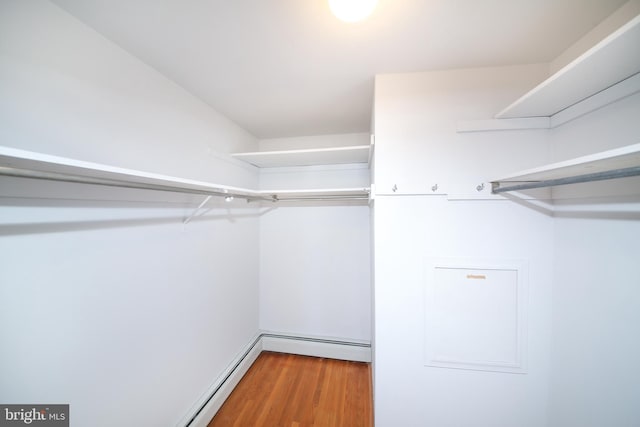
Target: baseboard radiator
x: 267, y: 341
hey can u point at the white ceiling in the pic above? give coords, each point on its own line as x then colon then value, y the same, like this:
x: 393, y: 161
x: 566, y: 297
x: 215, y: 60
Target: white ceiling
x: 283, y: 68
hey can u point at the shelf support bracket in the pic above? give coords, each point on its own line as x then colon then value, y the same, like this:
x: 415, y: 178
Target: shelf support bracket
x: 196, y: 210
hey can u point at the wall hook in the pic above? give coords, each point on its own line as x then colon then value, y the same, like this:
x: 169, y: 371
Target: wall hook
x: 480, y: 187
x: 395, y: 188
x: 434, y: 188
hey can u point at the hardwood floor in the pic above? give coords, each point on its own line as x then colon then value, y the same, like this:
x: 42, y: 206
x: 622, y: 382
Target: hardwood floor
x: 285, y: 390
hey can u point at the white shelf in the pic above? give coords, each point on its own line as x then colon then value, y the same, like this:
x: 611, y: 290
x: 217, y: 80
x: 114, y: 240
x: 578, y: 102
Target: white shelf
x: 618, y: 159
x: 28, y: 164
x: 308, y: 157
x: 613, y: 60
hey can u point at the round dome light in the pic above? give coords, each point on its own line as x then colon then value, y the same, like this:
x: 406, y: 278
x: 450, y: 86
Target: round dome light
x: 352, y: 10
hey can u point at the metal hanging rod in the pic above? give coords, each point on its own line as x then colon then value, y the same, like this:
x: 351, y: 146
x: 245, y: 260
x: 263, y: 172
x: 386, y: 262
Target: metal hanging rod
x: 497, y: 187
x: 319, y: 198
x: 80, y: 179
x: 248, y: 195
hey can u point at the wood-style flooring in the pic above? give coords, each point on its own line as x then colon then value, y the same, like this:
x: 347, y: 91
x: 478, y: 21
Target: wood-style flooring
x: 285, y: 390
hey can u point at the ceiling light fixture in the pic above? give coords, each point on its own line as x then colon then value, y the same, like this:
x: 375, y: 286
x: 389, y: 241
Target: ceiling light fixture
x: 352, y: 10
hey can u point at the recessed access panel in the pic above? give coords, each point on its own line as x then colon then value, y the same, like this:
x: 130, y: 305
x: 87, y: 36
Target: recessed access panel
x: 475, y: 315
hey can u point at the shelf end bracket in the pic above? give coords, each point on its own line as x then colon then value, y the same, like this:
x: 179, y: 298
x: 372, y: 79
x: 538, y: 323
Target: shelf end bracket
x: 196, y: 210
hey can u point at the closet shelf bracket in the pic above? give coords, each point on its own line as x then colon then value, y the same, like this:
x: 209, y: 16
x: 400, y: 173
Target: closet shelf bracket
x: 196, y: 210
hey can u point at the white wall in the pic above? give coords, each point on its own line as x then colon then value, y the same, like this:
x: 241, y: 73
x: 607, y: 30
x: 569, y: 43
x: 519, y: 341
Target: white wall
x: 136, y: 314
x: 68, y: 91
x: 111, y: 304
x: 416, y: 141
x: 315, y: 271
x: 595, y: 380
x: 417, y: 147
x: 582, y: 350
x: 315, y: 262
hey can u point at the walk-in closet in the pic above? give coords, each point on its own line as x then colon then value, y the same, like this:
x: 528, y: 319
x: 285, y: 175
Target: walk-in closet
x: 445, y: 195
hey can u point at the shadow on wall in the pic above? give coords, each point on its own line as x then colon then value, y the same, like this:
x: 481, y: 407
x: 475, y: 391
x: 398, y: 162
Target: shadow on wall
x: 70, y: 226
x: 615, y: 208
x: 189, y: 212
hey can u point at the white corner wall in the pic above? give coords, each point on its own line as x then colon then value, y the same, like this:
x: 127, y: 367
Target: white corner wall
x: 595, y: 380
x: 315, y: 260
x: 583, y: 293
x: 108, y: 300
x: 417, y: 147
x: 315, y: 271
x: 596, y: 304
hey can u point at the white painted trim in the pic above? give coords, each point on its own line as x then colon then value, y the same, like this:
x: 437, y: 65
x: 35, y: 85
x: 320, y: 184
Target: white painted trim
x: 211, y: 401
x: 432, y: 356
x: 317, y: 347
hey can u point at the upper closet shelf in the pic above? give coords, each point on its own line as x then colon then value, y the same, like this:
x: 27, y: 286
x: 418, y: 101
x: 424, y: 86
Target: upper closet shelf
x: 28, y: 164
x: 612, y: 60
x: 619, y: 163
x: 309, y: 157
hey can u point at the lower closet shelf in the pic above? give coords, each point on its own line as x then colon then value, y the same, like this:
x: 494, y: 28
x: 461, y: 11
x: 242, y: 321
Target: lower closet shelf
x: 618, y: 163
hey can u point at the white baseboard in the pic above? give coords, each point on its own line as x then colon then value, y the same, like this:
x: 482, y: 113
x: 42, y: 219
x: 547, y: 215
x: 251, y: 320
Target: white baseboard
x: 332, y: 348
x: 318, y: 347
x: 220, y: 391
